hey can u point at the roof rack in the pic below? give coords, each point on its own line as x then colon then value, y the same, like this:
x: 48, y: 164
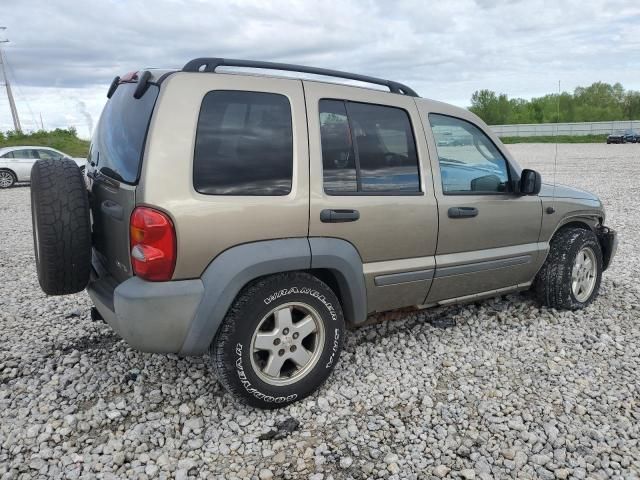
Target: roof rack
x: 210, y: 65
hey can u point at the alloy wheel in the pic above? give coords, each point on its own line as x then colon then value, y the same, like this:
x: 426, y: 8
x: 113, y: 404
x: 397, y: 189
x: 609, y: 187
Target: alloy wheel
x: 584, y: 274
x: 287, y: 343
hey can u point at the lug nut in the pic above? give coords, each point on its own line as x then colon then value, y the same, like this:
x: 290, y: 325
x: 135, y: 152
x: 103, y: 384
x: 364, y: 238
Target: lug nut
x: 276, y: 341
x: 296, y: 335
x: 293, y: 348
x: 281, y: 352
x: 285, y: 331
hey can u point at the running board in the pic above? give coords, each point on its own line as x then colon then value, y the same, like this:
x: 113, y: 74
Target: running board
x: 478, y: 296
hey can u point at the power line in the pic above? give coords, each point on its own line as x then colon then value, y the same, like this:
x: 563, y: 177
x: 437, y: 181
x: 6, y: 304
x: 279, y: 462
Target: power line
x: 12, y: 103
x: 19, y: 92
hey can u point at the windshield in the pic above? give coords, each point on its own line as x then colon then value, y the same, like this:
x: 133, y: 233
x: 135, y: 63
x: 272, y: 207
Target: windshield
x: 119, y: 140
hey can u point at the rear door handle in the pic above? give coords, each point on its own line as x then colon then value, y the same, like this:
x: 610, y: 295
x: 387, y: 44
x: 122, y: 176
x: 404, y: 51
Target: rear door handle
x: 339, y: 216
x: 463, y: 212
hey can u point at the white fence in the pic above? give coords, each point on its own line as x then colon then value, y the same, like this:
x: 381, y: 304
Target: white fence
x: 584, y: 128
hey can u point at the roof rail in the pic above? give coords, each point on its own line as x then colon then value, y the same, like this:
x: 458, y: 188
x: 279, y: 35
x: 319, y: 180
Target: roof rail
x: 210, y: 65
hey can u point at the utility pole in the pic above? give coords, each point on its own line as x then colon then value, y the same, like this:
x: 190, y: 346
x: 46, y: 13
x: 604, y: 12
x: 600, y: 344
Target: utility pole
x: 12, y: 103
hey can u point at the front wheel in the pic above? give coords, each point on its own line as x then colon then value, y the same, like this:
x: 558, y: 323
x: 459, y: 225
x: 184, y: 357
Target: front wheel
x: 570, y: 277
x: 280, y: 340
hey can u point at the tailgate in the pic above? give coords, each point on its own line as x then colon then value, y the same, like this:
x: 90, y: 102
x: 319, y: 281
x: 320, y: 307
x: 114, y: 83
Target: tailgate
x: 111, y: 207
x: 116, y: 155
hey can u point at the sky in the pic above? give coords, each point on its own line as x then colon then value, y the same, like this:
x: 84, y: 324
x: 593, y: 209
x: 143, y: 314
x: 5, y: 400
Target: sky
x: 63, y: 54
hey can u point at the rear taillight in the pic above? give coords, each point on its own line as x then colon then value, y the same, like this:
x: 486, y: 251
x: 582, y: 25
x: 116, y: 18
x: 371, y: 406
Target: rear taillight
x: 153, y: 244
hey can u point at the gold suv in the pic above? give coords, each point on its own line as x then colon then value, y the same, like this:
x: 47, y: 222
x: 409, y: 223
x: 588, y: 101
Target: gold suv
x: 253, y: 216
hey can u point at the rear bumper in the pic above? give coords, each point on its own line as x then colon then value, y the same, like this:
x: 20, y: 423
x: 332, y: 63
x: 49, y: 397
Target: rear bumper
x: 149, y: 316
x: 608, y: 239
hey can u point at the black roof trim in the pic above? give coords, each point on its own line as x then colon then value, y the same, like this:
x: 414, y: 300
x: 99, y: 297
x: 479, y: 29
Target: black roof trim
x: 210, y: 64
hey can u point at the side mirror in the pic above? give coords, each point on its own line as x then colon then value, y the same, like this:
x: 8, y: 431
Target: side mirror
x: 530, y: 182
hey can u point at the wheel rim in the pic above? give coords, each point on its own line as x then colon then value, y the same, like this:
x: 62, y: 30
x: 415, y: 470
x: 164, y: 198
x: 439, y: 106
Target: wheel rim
x: 6, y: 179
x: 287, y: 343
x: 584, y: 274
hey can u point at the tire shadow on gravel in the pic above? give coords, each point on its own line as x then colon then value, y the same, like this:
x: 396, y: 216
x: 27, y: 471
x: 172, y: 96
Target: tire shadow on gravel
x: 91, y: 342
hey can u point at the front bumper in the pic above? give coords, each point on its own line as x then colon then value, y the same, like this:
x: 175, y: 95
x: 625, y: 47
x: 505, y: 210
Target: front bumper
x: 149, y: 316
x: 608, y: 239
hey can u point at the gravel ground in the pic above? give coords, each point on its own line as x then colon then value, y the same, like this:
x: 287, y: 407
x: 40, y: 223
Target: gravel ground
x: 511, y: 391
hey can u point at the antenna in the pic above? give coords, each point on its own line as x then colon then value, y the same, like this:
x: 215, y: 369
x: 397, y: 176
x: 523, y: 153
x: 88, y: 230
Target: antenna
x: 552, y: 208
x: 12, y: 103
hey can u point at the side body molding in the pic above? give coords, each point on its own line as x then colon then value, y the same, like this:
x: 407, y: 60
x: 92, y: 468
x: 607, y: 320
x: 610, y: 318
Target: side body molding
x: 343, y: 260
x: 229, y: 272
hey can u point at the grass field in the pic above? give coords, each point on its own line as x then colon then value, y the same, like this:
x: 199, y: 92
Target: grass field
x: 65, y: 140
x: 558, y: 139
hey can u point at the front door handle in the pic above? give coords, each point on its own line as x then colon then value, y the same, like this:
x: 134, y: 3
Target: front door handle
x: 339, y: 216
x: 463, y: 212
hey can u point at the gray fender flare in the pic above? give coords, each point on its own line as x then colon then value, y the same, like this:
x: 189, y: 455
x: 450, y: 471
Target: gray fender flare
x: 230, y: 271
x: 343, y: 260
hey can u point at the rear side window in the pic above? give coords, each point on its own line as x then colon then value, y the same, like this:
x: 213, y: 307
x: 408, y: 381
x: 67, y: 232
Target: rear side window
x: 26, y: 153
x: 8, y: 155
x: 338, y: 157
x: 244, y: 144
x: 368, y: 149
x: 121, y: 134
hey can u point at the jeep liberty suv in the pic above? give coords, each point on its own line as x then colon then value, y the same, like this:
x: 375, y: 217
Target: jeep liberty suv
x: 254, y: 216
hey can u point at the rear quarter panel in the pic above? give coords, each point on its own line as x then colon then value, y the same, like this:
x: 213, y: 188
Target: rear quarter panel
x: 207, y: 225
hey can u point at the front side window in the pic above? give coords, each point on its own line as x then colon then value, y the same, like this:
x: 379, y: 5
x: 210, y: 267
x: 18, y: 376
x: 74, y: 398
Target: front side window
x: 244, y: 144
x: 469, y: 161
x: 8, y: 155
x: 367, y: 149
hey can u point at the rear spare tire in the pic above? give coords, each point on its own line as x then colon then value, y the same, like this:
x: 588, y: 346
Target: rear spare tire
x: 61, y: 226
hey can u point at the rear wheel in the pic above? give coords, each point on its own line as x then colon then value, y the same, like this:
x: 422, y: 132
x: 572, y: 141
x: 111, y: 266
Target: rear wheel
x: 570, y: 277
x: 280, y: 340
x: 7, y: 178
x: 61, y: 226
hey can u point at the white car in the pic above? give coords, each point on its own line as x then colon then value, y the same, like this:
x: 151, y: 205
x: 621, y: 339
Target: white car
x: 16, y: 162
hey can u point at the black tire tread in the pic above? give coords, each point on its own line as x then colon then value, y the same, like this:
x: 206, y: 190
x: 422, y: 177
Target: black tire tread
x: 553, y: 282
x: 228, y: 328
x: 233, y: 319
x: 60, y: 209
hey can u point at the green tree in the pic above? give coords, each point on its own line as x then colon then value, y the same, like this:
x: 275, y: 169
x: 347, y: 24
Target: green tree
x: 598, y: 102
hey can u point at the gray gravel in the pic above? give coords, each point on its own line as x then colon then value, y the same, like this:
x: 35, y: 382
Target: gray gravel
x: 511, y: 391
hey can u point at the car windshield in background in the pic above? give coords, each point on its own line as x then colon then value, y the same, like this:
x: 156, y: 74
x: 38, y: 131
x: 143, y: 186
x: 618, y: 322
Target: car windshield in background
x: 121, y: 134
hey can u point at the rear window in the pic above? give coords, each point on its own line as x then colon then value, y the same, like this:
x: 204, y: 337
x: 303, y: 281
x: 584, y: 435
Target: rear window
x: 244, y: 144
x: 122, y: 132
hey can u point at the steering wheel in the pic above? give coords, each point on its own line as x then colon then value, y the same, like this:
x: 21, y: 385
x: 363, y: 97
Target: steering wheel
x: 394, y: 159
